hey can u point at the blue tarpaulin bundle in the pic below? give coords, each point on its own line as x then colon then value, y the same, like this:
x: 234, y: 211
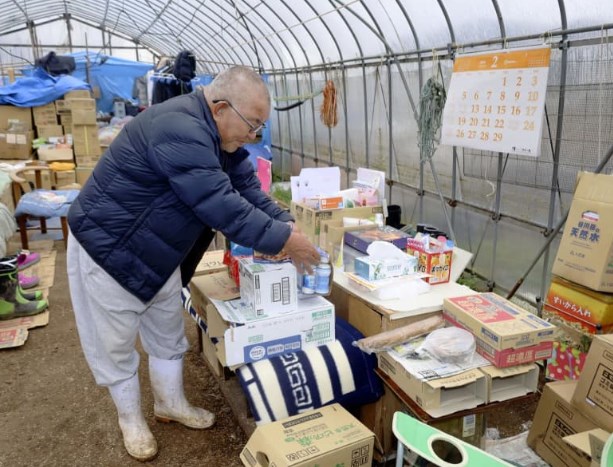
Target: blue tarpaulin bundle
x: 114, y: 76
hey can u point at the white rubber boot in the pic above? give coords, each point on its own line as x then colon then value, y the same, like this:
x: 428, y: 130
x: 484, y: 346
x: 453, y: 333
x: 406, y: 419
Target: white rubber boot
x: 137, y: 437
x: 170, y: 403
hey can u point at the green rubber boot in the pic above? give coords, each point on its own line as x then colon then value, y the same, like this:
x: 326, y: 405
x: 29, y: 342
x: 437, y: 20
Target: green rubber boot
x: 12, y: 303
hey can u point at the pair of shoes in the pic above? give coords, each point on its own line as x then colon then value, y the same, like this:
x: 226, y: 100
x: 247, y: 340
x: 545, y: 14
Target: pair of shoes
x: 14, y: 302
x: 24, y: 259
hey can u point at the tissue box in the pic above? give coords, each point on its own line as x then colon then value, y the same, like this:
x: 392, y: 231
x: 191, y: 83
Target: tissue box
x: 374, y: 269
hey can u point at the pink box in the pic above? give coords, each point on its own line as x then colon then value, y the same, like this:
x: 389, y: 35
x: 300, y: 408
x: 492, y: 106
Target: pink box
x: 509, y: 357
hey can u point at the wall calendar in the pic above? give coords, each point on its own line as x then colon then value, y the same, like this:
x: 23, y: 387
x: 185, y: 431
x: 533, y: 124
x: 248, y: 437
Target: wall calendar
x: 496, y: 101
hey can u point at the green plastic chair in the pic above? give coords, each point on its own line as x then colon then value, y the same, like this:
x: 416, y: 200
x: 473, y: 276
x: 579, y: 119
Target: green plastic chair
x: 607, y: 453
x: 424, y: 440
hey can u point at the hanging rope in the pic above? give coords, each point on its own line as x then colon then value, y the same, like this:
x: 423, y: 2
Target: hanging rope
x: 328, y: 111
x: 431, y: 103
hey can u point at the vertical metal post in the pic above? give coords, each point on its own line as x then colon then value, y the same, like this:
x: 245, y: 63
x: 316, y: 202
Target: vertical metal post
x: 346, y: 119
x: 496, y: 218
x: 69, y: 30
x: 390, y: 138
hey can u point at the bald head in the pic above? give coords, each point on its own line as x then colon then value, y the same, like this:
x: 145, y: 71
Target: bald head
x: 238, y: 84
x: 240, y: 103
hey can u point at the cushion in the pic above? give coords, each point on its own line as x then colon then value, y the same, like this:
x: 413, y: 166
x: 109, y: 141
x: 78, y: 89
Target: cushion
x: 46, y: 203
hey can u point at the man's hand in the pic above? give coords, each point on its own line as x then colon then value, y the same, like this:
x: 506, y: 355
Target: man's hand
x: 304, y: 255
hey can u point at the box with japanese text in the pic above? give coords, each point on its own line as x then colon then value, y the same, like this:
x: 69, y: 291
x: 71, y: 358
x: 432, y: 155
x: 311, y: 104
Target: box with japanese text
x: 329, y: 436
x: 435, y: 263
x: 248, y: 338
x: 437, y: 397
x: 498, y: 322
x: 360, y: 240
x: 592, y: 310
x: 268, y: 288
x: 585, y: 255
x: 594, y: 393
x: 309, y: 220
x: 555, y: 418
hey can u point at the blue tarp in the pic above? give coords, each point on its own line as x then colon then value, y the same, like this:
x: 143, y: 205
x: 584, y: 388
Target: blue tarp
x: 115, y: 76
x: 39, y: 89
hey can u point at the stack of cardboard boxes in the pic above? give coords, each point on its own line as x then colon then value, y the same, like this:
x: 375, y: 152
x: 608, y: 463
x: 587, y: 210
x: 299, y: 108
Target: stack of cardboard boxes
x: 580, y: 297
x: 77, y: 112
x: 261, y: 319
x: 74, y: 115
x: 574, y: 418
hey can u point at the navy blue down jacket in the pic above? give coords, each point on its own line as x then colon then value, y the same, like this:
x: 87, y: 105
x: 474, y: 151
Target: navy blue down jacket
x: 163, y: 181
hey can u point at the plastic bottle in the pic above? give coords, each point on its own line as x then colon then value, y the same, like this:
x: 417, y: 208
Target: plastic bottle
x: 323, y: 273
x: 308, y: 284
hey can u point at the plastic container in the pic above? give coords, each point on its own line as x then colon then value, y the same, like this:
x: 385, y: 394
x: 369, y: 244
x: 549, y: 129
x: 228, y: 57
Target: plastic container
x: 308, y: 284
x: 323, y: 274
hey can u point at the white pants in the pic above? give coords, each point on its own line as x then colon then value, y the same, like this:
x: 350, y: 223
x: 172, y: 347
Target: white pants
x: 109, y: 318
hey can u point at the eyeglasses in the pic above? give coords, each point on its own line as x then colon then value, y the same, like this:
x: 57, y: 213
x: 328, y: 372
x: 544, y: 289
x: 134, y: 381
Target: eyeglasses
x: 252, y: 128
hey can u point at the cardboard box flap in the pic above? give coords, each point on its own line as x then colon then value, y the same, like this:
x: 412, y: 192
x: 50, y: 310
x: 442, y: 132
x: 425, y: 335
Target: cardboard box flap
x: 218, y: 286
x: 507, y: 383
x: 595, y: 187
x: 590, y: 442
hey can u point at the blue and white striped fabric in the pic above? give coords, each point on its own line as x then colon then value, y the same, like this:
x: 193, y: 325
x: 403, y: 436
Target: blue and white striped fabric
x: 308, y: 379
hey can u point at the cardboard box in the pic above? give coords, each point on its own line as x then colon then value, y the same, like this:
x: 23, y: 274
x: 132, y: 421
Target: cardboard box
x: 83, y: 173
x: 62, y: 106
x: 309, y: 219
x: 211, y: 262
x: 217, y: 286
x: 16, y: 145
x: 65, y: 177
x: 78, y: 94
x: 575, y: 303
x: 323, y: 203
x: 511, y: 357
x: 507, y: 383
x: 437, y: 264
x: 270, y: 289
x: 85, y: 140
x: 55, y: 154
x: 329, y: 436
x: 438, y: 397
x: 87, y: 160
x: 585, y: 255
x: 84, y: 116
x: 594, y: 393
x: 469, y: 428
x: 361, y: 239
x: 209, y: 354
x: 590, y: 442
x: 45, y: 115
x: 66, y: 121
x: 555, y: 418
x: 498, y: 322
x: 49, y: 131
x: 10, y: 114
x: 312, y: 325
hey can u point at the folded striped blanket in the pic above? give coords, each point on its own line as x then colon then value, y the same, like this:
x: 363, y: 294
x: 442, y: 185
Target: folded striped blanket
x: 308, y: 379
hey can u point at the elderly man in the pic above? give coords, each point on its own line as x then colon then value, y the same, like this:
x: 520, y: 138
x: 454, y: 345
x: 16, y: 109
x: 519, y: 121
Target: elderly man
x: 173, y: 175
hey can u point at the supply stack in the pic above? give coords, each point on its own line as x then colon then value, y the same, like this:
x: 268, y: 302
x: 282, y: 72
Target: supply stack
x: 64, y: 134
x: 580, y: 296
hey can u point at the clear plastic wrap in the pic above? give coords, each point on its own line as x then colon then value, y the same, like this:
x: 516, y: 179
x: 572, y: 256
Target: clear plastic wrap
x: 450, y: 345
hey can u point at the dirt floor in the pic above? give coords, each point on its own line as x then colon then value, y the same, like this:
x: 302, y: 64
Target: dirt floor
x: 53, y: 414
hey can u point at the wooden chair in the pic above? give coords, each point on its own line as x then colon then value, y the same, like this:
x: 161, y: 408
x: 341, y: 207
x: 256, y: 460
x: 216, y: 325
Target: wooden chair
x: 33, y: 201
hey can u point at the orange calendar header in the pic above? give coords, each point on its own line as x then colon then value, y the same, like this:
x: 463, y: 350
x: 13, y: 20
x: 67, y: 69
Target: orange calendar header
x: 501, y: 60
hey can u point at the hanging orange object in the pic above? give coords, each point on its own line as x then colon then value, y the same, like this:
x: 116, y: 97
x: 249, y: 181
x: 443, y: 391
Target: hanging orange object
x: 328, y: 112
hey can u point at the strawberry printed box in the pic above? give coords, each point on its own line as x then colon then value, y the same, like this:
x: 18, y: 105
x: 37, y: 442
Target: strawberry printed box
x: 566, y: 362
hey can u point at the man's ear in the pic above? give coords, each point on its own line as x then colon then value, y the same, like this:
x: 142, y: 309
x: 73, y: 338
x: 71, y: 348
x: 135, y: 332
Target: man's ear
x: 218, y: 108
